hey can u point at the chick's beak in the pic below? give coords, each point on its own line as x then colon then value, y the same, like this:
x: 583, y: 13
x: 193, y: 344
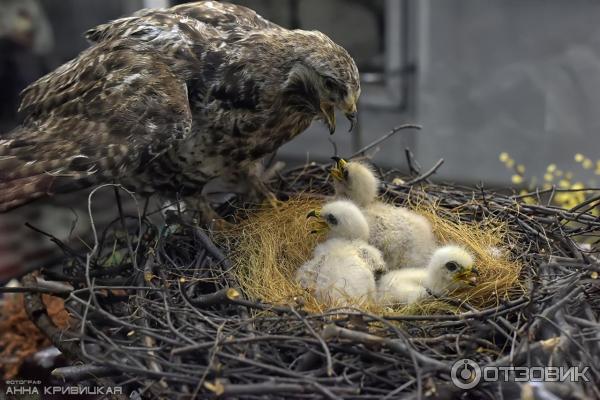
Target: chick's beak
x: 319, y: 224
x: 328, y: 111
x: 337, y: 172
x: 468, y: 276
x: 313, y: 214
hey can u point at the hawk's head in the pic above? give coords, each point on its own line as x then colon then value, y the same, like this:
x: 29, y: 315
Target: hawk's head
x: 326, y: 74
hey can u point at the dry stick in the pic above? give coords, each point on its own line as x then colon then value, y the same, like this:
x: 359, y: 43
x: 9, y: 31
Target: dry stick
x: 426, y: 175
x: 413, y: 166
x: 265, y: 388
x: 224, y: 343
x: 550, y: 311
x: 79, y: 373
x: 38, y: 314
x: 36, y: 289
x: 321, y: 341
x: 223, y: 296
x: 385, y: 137
x: 544, y: 346
x: 332, y: 331
x: 211, y: 248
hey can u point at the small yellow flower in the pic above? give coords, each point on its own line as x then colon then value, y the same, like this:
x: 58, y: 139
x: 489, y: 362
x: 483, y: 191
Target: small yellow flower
x: 546, y: 186
x: 517, y: 179
x: 587, y: 163
x: 551, y: 168
x: 548, y: 177
x: 558, y: 172
x: 504, y: 157
x: 521, y: 169
x: 577, y: 186
x: 510, y: 163
x: 579, y: 157
x: 564, y: 184
x: 569, y: 176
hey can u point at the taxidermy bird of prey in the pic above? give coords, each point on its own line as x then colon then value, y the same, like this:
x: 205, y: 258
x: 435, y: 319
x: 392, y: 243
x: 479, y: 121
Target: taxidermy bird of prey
x: 168, y: 99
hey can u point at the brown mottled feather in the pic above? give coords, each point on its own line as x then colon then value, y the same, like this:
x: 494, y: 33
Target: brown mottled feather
x: 169, y: 99
x: 99, y: 128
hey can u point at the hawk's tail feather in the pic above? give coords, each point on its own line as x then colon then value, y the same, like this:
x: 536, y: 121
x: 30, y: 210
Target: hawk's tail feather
x: 26, y: 158
x: 18, y: 192
x: 22, y: 191
x: 31, y: 168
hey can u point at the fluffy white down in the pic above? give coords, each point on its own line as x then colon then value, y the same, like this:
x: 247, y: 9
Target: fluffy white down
x: 404, y: 237
x: 350, y: 222
x: 408, y: 285
x: 341, y: 271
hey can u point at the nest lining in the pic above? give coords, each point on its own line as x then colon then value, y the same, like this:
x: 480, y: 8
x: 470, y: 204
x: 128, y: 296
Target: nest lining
x: 166, y: 313
x: 269, y: 245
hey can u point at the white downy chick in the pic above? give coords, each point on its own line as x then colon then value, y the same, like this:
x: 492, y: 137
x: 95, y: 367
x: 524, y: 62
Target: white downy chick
x: 404, y: 237
x: 450, y: 268
x: 342, y: 269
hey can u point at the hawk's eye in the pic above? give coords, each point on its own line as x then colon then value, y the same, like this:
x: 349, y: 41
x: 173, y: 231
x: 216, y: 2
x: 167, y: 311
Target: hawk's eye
x: 331, y: 219
x: 451, y: 266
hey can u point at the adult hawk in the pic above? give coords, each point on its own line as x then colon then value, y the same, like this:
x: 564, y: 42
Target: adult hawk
x: 168, y: 99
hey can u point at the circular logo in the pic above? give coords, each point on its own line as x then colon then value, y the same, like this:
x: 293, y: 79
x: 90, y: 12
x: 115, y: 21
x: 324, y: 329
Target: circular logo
x: 465, y: 374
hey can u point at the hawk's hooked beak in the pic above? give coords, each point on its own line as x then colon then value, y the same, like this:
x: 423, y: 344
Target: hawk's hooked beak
x: 319, y: 225
x: 349, y: 108
x: 352, y: 118
x: 338, y: 172
x: 468, y: 276
x: 328, y: 111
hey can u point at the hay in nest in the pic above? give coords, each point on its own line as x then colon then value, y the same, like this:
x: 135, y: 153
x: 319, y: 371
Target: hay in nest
x: 268, y: 246
x: 177, y: 315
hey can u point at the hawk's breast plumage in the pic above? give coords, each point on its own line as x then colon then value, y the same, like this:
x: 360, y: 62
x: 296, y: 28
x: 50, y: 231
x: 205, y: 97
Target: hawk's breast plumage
x: 166, y: 100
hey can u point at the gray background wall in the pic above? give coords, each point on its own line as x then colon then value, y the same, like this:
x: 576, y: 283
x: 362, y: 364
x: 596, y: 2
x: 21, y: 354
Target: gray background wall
x: 493, y: 76
x: 515, y: 76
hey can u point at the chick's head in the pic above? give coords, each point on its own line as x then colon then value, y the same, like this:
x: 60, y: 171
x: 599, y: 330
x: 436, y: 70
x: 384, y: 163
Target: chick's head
x: 341, y: 219
x: 450, y: 268
x: 355, y: 181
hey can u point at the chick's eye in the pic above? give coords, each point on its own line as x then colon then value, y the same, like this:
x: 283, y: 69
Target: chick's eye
x: 451, y: 266
x: 331, y: 220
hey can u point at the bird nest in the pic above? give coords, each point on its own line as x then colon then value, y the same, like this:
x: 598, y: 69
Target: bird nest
x: 175, y: 311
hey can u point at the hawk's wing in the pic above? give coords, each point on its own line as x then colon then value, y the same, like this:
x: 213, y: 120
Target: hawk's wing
x: 100, y: 116
x: 225, y: 17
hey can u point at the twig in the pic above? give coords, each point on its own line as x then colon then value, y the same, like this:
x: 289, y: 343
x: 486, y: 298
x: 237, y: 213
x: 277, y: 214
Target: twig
x: 384, y: 138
